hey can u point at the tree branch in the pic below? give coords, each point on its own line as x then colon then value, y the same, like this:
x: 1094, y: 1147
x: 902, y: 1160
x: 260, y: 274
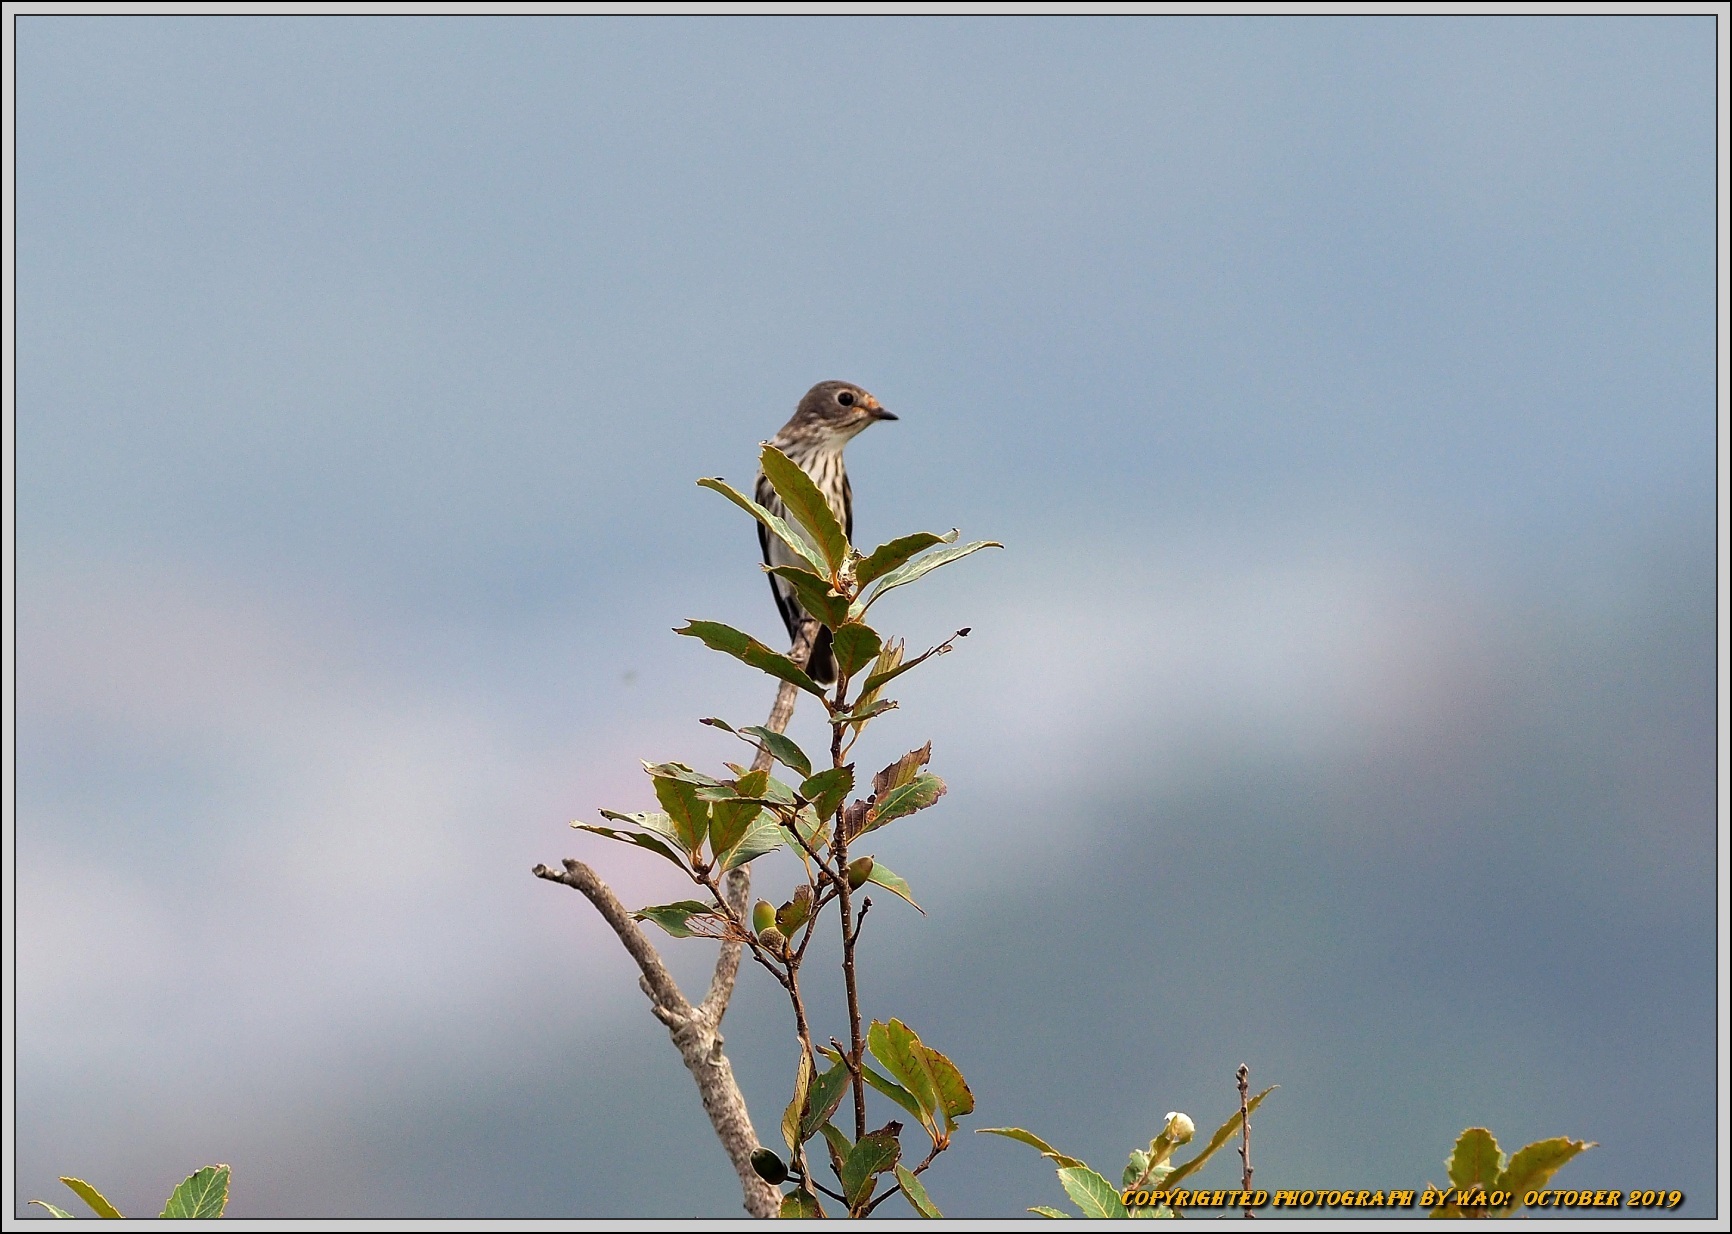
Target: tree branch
x: 695, y: 1031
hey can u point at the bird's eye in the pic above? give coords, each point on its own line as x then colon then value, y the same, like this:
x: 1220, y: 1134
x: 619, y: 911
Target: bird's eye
x: 845, y: 397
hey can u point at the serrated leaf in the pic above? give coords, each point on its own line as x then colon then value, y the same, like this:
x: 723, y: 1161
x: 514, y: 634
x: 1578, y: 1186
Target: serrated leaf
x: 815, y: 594
x: 796, y: 912
x: 800, y: 1205
x: 1033, y: 1141
x: 634, y: 837
x: 1090, y: 1192
x: 90, y: 1195
x: 691, y: 817
x: 1044, y: 1211
x: 915, y: 1190
x: 52, y: 1210
x: 1223, y: 1133
x: 748, y: 650
x: 921, y: 566
x: 1476, y: 1160
x: 676, y: 918
x: 917, y: 794
x: 201, y: 1194
x: 875, y: 1153
x: 855, y: 646
x: 796, y: 1108
x: 782, y: 749
x: 806, y: 503
x: 827, y: 789
x: 901, y: 771
x: 888, y: 556
x: 891, y: 881
x: 786, y: 534
x: 1532, y: 1167
x: 764, y: 835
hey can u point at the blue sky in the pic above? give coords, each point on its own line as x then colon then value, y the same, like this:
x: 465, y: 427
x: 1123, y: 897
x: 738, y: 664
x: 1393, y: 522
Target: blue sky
x: 1343, y: 392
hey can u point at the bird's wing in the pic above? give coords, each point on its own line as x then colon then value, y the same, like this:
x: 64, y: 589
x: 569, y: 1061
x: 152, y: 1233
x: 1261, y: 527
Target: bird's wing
x: 776, y: 554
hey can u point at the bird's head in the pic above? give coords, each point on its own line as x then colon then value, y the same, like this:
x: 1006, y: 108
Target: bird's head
x: 837, y: 410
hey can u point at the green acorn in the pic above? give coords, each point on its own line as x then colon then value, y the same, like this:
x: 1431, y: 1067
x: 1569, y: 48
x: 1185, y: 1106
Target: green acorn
x: 763, y: 916
x: 769, y: 1166
x: 859, y: 870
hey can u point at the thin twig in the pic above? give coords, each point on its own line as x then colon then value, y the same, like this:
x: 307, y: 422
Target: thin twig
x: 1244, y: 1075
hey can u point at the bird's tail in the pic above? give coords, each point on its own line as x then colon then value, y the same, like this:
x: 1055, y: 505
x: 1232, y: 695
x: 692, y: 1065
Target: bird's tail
x: 821, y: 665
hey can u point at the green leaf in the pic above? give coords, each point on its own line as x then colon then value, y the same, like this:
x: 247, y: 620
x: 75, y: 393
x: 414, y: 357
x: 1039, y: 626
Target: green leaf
x: 807, y: 504
x: 786, y: 534
x: 796, y: 1108
x: 682, y: 773
x: 864, y: 712
x: 827, y: 789
x: 782, y: 749
x: 765, y: 835
x: 955, y: 1097
x: 1532, y: 1167
x: 1033, y: 1141
x: 921, y: 566
x: 677, y: 918
x: 730, y: 820
x: 882, y: 676
x: 876, y: 1153
x: 52, y: 1210
x: 745, y: 648
x: 892, y: 1045
x: 886, y: 557
x: 891, y: 1089
x: 917, y: 794
x: 1223, y: 1133
x: 816, y: 595
x: 855, y: 646
x: 653, y: 820
x: 634, y: 837
x: 826, y: 1094
x: 891, y: 881
x: 90, y: 1195
x: 837, y: 1146
x: 929, y: 1077
x: 691, y: 817
x: 915, y: 1190
x: 1137, y: 1167
x: 1476, y: 1160
x: 1090, y: 1192
x: 203, y: 1194
x: 1044, y: 1211
x: 800, y: 1205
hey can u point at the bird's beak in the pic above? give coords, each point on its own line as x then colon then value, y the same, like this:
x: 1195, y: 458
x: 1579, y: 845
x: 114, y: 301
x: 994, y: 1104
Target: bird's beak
x: 876, y: 410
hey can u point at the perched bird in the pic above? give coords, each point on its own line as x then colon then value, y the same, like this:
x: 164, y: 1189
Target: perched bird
x: 830, y: 415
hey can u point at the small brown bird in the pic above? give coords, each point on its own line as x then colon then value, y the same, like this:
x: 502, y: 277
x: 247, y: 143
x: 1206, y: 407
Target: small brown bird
x: 831, y: 414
